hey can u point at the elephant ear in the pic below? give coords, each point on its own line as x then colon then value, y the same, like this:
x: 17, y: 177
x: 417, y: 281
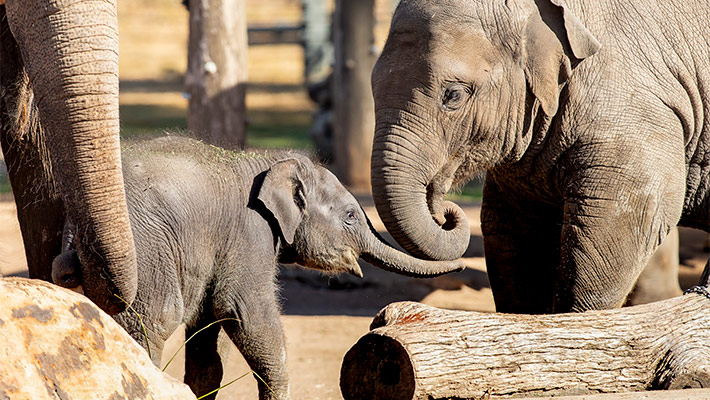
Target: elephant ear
x: 553, y: 39
x: 283, y: 193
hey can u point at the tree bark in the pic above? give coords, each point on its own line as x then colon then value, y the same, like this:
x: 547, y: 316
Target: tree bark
x: 40, y: 210
x: 420, y: 352
x: 217, y: 72
x: 354, y: 106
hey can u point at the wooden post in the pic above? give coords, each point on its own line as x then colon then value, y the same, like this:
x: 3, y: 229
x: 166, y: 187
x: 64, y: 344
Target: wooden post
x: 354, y: 106
x: 217, y: 72
x: 420, y: 352
x: 40, y: 210
x: 317, y: 46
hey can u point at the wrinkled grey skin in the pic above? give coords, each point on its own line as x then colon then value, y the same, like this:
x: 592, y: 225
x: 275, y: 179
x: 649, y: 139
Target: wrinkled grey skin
x: 659, y: 279
x: 69, y: 51
x: 590, y: 118
x: 210, y: 227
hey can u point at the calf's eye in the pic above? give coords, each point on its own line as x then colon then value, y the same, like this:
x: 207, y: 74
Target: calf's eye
x: 350, y: 217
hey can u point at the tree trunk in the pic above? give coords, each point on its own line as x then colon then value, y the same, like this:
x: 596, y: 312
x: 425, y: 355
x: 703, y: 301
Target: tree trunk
x: 354, y: 106
x: 317, y: 46
x: 40, y: 210
x: 217, y: 72
x: 420, y: 352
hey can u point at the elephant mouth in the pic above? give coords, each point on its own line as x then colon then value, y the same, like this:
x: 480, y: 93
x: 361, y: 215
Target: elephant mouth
x: 335, y: 260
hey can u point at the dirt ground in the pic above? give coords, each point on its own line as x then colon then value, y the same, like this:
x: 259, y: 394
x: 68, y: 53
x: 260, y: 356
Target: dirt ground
x: 324, y: 316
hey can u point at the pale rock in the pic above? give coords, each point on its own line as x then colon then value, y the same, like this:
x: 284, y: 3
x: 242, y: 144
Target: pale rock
x: 56, y: 344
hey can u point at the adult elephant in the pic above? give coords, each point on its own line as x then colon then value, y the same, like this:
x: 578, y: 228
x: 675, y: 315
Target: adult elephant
x: 591, y: 118
x: 60, y: 127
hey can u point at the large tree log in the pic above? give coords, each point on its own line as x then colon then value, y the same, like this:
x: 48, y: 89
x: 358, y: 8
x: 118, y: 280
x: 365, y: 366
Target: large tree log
x: 420, y: 352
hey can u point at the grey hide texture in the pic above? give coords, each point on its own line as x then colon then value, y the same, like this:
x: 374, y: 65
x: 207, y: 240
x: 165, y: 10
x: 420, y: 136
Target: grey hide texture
x: 210, y: 228
x: 590, y: 119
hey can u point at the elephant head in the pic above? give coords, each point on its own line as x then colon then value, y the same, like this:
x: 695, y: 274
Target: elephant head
x: 70, y: 53
x: 459, y: 88
x: 324, y: 227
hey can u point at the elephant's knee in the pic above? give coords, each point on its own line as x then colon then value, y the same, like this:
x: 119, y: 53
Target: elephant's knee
x: 659, y: 279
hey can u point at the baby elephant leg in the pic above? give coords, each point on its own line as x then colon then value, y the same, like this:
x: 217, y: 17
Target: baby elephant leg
x: 259, y: 337
x: 203, y: 365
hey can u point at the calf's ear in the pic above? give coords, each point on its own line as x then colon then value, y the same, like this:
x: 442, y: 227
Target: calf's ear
x: 283, y: 194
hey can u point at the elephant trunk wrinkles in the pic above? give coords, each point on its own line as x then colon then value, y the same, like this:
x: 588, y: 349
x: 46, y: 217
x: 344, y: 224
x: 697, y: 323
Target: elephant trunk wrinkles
x: 408, y: 198
x: 378, y: 253
x: 70, y: 49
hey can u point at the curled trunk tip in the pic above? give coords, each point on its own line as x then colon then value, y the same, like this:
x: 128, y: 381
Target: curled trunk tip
x: 408, y: 186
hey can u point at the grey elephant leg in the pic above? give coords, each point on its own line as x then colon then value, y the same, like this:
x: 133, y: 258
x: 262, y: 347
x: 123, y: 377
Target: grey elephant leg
x: 659, y: 279
x: 203, y: 364
x: 611, y: 230
x: 40, y: 210
x: 522, y: 250
x: 599, y: 263
x: 156, y: 350
x: 258, y: 336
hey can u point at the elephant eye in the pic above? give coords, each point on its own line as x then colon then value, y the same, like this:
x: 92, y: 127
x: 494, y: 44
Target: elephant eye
x: 350, y: 217
x: 454, y: 96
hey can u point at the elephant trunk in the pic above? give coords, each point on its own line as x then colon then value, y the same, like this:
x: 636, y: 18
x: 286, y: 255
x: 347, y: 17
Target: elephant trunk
x: 380, y: 254
x: 408, y: 190
x: 70, y: 50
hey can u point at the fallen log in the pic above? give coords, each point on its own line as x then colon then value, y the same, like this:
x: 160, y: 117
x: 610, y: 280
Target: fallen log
x: 415, y: 351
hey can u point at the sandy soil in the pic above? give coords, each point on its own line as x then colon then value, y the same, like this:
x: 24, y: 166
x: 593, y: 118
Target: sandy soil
x: 324, y: 316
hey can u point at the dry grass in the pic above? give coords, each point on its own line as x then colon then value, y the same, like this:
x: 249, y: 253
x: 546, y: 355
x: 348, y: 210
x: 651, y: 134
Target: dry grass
x: 153, y: 39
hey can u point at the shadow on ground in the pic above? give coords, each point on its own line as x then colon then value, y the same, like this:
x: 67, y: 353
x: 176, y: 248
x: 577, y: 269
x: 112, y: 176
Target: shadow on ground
x: 309, y: 292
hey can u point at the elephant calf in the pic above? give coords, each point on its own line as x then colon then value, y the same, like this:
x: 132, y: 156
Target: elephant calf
x: 210, y: 227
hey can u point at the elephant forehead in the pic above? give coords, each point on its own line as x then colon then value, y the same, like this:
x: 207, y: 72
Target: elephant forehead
x: 436, y: 15
x: 446, y: 44
x: 329, y: 190
x: 462, y: 52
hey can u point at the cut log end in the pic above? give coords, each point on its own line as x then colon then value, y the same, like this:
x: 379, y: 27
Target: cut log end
x: 691, y: 380
x: 377, y: 367
x: 683, y: 369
